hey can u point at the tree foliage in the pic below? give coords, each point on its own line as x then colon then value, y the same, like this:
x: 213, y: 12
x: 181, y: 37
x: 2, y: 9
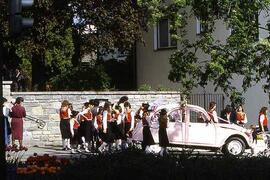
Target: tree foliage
x: 243, y: 55
x: 65, y: 31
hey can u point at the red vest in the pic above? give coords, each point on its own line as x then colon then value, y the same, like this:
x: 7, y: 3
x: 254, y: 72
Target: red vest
x: 88, y: 116
x: 128, y: 118
x: 109, y: 116
x: 64, y: 114
x: 99, y: 121
x: 265, y: 121
x: 76, y: 125
x: 240, y: 116
x: 116, y: 115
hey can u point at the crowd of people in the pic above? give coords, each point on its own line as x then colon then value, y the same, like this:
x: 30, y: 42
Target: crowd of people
x: 238, y: 116
x: 105, y: 128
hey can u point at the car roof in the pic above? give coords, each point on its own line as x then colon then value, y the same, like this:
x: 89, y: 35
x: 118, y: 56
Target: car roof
x: 176, y: 105
x: 168, y: 107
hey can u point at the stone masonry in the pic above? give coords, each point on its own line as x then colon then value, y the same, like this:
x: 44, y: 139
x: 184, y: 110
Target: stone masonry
x: 45, y: 106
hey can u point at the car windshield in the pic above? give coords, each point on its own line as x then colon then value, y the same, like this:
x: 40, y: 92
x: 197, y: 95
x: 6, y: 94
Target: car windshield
x: 176, y: 115
x: 220, y: 120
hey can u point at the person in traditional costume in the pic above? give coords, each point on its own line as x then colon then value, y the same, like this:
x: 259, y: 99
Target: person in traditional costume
x: 263, y: 119
x: 241, y: 116
x: 117, y: 126
x: 212, y: 111
x: 86, y: 118
x: 162, y: 133
x: 98, y: 126
x: 94, y: 111
x: 74, y: 126
x: 147, y: 135
x: 107, y: 124
x: 129, y: 120
x: 65, y: 113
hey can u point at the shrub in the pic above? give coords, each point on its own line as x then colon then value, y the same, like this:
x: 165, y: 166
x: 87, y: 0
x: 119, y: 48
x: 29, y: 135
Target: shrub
x: 145, y: 87
x: 138, y: 165
x: 82, y: 78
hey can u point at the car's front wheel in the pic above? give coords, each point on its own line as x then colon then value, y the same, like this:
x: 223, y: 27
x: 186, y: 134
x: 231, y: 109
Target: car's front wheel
x: 234, y: 147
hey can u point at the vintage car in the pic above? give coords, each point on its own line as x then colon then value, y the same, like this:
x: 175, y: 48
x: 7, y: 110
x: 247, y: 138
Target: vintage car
x: 190, y: 126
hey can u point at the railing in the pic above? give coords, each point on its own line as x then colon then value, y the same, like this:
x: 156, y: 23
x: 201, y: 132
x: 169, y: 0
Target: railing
x: 203, y: 100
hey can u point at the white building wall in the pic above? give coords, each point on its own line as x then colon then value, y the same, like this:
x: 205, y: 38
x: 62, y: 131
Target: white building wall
x: 153, y: 67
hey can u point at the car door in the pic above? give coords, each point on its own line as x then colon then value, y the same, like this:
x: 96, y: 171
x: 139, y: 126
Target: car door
x: 200, y: 130
x: 175, y: 128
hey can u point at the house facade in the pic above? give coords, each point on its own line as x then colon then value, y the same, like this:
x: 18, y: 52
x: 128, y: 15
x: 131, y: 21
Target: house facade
x: 153, y: 62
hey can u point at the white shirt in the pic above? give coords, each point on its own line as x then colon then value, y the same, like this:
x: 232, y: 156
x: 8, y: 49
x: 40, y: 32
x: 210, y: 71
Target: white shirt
x: 6, y: 111
x: 262, y: 116
x: 215, y: 117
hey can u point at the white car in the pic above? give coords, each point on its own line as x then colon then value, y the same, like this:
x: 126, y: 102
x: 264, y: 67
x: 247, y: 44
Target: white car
x: 191, y: 126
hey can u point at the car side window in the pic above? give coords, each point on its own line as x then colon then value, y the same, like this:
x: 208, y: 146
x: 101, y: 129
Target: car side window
x: 197, y: 117
x: 175, y: 116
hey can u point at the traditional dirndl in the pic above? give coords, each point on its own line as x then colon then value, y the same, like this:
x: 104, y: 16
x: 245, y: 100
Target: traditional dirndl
x: 118, y: 130
x: 127, y: 134
x: 109, y: 136
x: 65, y: 128
x: 147, y: 136
x: 89, y: 130
x: 163, y: 138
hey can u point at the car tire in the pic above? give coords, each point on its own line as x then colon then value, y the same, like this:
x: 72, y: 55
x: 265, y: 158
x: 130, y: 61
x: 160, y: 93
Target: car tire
x: 234, y: 147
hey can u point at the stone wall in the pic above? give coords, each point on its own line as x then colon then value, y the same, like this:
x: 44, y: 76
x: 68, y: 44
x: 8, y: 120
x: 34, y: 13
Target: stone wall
x: 7, y: 88
x: 45, y: 106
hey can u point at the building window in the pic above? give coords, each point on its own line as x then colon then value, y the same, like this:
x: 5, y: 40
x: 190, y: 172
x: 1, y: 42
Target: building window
x: 162, y: 35
x: 200, y: 28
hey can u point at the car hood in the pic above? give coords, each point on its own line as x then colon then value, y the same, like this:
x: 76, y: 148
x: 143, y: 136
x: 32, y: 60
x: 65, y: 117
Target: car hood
x: 232, y: 127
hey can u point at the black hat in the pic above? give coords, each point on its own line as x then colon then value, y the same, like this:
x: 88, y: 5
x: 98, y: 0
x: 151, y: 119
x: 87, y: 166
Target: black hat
x: 74, y: 113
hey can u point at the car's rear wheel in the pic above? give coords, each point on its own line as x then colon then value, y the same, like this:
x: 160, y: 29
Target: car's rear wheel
x: 234, y: 147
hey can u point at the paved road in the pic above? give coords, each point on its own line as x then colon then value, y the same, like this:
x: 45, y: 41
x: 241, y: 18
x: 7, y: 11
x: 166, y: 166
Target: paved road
x: 57, y: 151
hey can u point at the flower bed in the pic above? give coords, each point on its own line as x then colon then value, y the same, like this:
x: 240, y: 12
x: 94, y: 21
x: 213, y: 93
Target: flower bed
x: 36, y: 166
x: 41, y: 164
x: 135, y: 164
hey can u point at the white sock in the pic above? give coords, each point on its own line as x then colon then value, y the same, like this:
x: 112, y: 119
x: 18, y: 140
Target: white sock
x: 68, y: 143
x: 147, y: 149
x: 102, y: 146
x: 64, y: 143
x: 161, y: 151
x: 83, y: 140
x: 118, y: 144
x: 86, y: 146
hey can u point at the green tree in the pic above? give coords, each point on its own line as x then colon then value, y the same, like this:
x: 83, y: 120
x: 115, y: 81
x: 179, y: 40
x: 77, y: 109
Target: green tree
x: 65, y: 31
x: 242, y: 55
